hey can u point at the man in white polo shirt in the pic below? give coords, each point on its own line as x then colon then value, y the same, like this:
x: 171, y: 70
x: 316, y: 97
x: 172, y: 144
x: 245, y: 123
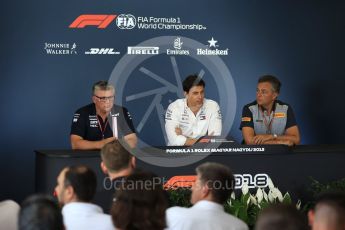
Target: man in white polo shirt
x: 76, y: 187
x: 210, y: 191
x: 192, y: 117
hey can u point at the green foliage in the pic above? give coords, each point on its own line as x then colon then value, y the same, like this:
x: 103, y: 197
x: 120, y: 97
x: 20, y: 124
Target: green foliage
x: 316, y: 187
x: 179, y: 197
x: 248, y: 206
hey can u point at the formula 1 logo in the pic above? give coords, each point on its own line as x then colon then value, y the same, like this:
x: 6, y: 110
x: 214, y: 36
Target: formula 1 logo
x: 99, y: 20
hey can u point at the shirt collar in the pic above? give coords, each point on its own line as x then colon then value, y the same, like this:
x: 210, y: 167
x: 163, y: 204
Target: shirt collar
x: 273, y: 106
x: 81, y: 207
x: 186, y: 106
x: 210, y: 205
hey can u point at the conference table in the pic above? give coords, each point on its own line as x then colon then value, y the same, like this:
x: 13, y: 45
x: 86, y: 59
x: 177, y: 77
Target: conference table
x: 290, y: 168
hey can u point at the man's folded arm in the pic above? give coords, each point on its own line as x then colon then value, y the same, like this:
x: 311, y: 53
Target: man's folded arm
x: 173, y: 138
x: 248, y: 135
x: 78, y: 142
x: 291, y: 137
x: 131, y: 139
x: 291, y: 134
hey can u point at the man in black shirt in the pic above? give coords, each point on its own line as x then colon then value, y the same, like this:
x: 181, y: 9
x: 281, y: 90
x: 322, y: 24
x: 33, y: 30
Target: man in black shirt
x: 101, y: 122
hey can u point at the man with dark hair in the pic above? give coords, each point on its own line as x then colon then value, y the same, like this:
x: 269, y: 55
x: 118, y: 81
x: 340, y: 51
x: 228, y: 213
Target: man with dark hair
x: 140, y: 203
x: 210, y: 191
x: 281, y: 217
x: 192, y: 117
x: 117, y: 163
x: 268, y: 120
x: 76, y: 187
x: 101, y: 122
x: 329, y: 212
x: 40, y: 212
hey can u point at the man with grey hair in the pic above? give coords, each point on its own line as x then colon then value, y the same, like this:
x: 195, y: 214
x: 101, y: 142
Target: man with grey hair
x: 268, y: 120
x: 210, y: 191
x: 101, y: 122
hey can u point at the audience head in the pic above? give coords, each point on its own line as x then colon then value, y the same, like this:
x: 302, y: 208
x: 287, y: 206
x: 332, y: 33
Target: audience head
x: 76, y: 184
x: 140, y: 203
x: 116, y: 158
x: 329, y: 212
x: 40, y: 212
x: 214, y: 183
x: 281, y: 217
x: 9, y: 210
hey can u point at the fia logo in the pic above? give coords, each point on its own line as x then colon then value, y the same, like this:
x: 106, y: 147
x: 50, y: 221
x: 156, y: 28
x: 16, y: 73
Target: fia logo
x: 126, y: 21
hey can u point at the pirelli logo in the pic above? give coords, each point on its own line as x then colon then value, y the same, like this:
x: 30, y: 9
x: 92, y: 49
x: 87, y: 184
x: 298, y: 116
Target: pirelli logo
x: 143, y: 50
x: 279, y: 115
x: 246, y: 119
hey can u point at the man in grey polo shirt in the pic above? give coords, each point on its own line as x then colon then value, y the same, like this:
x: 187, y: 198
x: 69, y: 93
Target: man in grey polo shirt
x: 268, y: 120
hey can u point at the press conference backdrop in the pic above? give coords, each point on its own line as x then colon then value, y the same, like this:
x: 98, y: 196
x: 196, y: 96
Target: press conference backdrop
x: 52, y: 53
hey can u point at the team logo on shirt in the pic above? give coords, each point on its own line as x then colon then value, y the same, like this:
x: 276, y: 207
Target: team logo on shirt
x: 168, y: 115
x: 129, y: 116
x: 185, y: 117
x: 219, y: 114
x: 279, y: 115
x: 76, y: 117
x: 247, y: 119
x: 93, y: 121
x: 202, y: 117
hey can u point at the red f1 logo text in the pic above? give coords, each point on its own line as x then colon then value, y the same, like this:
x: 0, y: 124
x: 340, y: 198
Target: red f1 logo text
x: 100, y: 20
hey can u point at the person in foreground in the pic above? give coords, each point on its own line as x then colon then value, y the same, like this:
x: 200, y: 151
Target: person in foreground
x: 76, y: 187
x: 40, y: 212
x: 9, y: 210
x: 140, y: 203
x: 329, y: 212
x: 101, y: 122
x: 188, y: 119
x: 281, y: 217
x: 211, y: 190
x: 117, y: 163
x: 268, y: 120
